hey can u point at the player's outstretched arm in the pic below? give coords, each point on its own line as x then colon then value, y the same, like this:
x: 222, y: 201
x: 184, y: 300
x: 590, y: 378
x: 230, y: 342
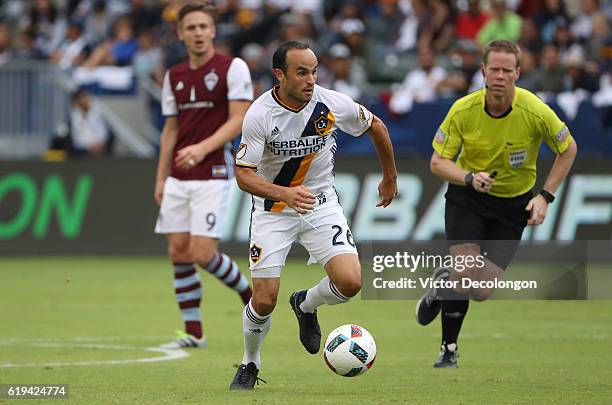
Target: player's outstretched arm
x: 299, y: 198
x: 558, y: 172
x: 167, y: 142
x: 384, y: 149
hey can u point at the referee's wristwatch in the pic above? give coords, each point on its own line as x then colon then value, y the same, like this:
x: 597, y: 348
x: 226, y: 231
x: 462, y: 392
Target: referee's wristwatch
x: 469, y: 178
x: 547, y: 196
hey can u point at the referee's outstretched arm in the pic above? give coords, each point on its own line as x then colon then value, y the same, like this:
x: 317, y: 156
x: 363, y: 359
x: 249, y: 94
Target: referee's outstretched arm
x: 558, y: 172
x: 561, y: 167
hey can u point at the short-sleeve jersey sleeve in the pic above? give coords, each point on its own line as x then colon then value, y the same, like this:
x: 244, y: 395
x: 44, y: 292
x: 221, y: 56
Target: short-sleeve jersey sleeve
x: 556, y: 134
x: 251, y: 148
x: 351, y: 117
x: 239, y: 84
x: 448, y: 138
x: 168, y: 102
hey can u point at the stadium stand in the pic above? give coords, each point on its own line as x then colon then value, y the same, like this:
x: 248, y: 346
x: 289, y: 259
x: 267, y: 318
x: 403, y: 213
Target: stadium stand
x: 373, y: 49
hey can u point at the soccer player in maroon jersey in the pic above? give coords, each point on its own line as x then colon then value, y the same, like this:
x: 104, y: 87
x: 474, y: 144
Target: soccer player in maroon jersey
x: 204, y: 100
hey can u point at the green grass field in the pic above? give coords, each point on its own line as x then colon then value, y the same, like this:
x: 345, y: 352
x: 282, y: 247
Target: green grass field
x: 58, y: 311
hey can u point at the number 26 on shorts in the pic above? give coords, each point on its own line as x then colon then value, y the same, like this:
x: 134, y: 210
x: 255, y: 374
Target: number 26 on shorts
x: 338, y: 235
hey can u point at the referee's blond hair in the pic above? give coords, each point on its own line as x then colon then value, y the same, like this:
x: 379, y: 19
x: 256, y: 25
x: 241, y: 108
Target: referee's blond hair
x: 502, y: 45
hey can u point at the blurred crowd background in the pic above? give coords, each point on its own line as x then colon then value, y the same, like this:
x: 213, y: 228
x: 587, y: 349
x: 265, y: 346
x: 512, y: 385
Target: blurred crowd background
x: 397, y: 57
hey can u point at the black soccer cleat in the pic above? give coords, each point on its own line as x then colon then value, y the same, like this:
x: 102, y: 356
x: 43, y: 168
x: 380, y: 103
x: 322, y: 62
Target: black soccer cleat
x: 310, y: 332
x: 428, y: 307
x: 448, y: 356
x: 246, y: 377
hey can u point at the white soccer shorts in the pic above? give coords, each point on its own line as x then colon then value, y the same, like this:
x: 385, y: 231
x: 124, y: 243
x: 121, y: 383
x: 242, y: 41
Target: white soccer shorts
x: 324, y: 233
x: 195, y: 206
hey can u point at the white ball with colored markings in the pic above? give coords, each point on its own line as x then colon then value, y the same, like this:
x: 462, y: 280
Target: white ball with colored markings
x: 350, y: 350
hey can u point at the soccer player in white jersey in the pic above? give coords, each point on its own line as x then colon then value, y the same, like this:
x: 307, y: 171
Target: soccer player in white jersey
x: 285, y: 160
x: 204, y: 100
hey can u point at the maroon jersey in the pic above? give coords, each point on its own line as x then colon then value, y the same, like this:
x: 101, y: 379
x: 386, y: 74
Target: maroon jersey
x: 199, y: 98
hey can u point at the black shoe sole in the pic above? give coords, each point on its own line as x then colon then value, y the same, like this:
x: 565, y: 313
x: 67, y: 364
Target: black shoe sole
x: 434, y: 315
x: 445, y: 366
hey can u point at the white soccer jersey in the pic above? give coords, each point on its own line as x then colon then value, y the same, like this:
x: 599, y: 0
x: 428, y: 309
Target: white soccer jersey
x: 296, y: 147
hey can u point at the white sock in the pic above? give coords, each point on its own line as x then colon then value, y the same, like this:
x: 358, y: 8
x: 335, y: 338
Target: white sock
x: 323, y: 293
x: 255, y: 328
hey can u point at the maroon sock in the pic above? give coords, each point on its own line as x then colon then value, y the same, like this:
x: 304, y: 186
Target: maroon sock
x: 194, y: 328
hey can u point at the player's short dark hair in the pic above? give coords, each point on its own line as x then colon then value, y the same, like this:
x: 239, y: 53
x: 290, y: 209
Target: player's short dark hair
x: 203, y: 6
x: 279, y: 59
x: 502, y: 45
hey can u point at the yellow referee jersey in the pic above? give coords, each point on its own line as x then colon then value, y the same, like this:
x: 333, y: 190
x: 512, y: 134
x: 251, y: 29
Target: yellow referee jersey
x: 508, y: 144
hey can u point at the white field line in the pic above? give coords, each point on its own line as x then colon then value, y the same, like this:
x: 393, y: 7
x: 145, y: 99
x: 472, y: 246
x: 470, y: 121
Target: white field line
x: 168, y: 354
x: 47, y: 339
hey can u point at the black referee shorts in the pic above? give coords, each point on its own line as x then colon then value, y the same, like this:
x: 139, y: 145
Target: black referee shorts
x: 495, y: 224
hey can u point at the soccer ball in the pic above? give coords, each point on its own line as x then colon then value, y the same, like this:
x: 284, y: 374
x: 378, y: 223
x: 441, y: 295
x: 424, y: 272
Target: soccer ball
x: 350, y: 350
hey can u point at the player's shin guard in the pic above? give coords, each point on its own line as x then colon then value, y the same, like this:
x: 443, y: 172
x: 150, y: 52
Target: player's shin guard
x: 226, y: 270
x: 255, y: 328
x: 323, y: 293
x: 188, y: 293
x: 454, y: 308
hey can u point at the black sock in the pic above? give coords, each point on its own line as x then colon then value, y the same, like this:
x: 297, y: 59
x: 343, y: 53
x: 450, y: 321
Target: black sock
x: 454, y: 309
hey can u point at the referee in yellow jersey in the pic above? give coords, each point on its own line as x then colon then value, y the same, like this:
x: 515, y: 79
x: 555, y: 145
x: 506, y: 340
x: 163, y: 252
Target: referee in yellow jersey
x: 497, y: 132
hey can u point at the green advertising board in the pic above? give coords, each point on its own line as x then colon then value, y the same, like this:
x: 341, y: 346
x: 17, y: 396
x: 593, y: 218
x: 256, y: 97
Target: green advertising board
x: 106, y: 206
